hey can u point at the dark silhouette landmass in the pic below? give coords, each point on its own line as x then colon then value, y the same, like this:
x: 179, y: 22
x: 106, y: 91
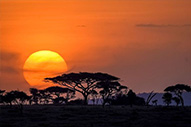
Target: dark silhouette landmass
x: 114, y: 105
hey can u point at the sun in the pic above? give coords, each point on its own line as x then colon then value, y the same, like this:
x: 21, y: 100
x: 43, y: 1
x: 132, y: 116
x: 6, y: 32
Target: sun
x: 42, y: 64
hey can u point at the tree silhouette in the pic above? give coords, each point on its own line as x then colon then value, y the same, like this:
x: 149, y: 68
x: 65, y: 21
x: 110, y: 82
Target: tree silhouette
x: 176, y: 100
x: 57, y: 94
x: 150, y: 97
x: 1, y: 95
x: 178, y: 89
x: 82, y: 82
x: 155, y: 102
x: 2, y: 91
x: 35, y: 95
x: 20, y: 97
x: 167, y: 97
x: 16, y: 97
x: 44, y: 96
x: 131, y: 97
x: 109, y: 88
x: 8, y: 98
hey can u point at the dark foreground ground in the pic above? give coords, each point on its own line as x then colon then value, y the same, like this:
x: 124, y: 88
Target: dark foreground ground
x: 95, y: 116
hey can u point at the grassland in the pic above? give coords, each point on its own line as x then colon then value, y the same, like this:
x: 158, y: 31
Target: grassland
x: 95, y: 116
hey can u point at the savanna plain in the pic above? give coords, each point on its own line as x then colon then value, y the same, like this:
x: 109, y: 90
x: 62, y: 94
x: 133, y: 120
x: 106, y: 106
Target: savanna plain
x: 95, y: 116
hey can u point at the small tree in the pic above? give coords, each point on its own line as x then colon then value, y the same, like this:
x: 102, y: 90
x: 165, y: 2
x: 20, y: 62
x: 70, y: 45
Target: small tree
x: 82, y: 82
x: 167, y: 97
x: 35, y: 95
x: 155, y: 102
x: 1, y: 95
x: 20, y: 97
x: 2, y: 91
x: 44, y: 96
x: 178, y: 89
x: 9, y: 98
x: 150, y: 97
x: 16, y: 97
x: 57, y: 94
x: 131, y: 97
x: 176, y: 100
x: 108, y: 89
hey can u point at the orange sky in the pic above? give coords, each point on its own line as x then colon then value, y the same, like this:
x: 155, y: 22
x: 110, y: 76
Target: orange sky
x: 144, y: 42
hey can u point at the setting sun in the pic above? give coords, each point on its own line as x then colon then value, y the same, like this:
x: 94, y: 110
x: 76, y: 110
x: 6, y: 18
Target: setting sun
x: 42, y: 64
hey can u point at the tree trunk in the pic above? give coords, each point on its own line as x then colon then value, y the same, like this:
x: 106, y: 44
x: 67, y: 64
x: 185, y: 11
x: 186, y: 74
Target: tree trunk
x: 10, y: 104
x: 85, y: 99
x: 181, y: 100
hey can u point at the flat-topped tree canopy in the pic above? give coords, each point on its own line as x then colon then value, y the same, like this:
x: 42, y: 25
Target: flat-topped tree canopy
x: 58, y: 89
x: 82, y: 76
x: 83, y: 82
x: 178, y: 89
x: 106, y: 85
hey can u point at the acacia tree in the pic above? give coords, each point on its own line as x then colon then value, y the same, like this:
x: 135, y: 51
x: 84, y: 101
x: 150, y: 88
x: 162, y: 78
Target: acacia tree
x: 2, y: 91
x: 178, y: 89
x: 57, y: 94
x: 109, y: 88
x: 176, y: 100
x: 131, y: 97
x: 20, y: 97
x: 82, y: 82
x: 44, y: 96
x: 167, y: 98
x: 1, y: 95
x: 35, y: 95
x: 16, y: 97
x: 8, y: 98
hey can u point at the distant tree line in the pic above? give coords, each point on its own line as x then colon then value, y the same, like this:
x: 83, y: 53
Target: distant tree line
x: 92, y: 86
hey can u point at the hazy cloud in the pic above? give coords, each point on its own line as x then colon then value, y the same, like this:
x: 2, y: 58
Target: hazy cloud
x: 8, y: 61
x: 6, y: 56
x: 8, y: 69
x: 162, y: 25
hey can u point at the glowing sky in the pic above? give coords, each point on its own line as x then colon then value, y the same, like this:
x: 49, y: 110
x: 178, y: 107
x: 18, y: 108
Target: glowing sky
x: 146, y: 43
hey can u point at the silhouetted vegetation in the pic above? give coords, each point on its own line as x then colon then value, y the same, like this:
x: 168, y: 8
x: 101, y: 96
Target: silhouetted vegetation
x: 178, y: 89
x: 167, y: 97
x: 58, y: 95
x: 125, y: 106
x: 15, y: 97
x: 109, y: 89
x: 82, y: 82
x: 150, y: 97
x: 127, y: 99
x: 176, y: 100
x: 155, y: 102
x: 1, y: 95
x: 94, y: 96
x: 92, y: 86
x: 35, y: 95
